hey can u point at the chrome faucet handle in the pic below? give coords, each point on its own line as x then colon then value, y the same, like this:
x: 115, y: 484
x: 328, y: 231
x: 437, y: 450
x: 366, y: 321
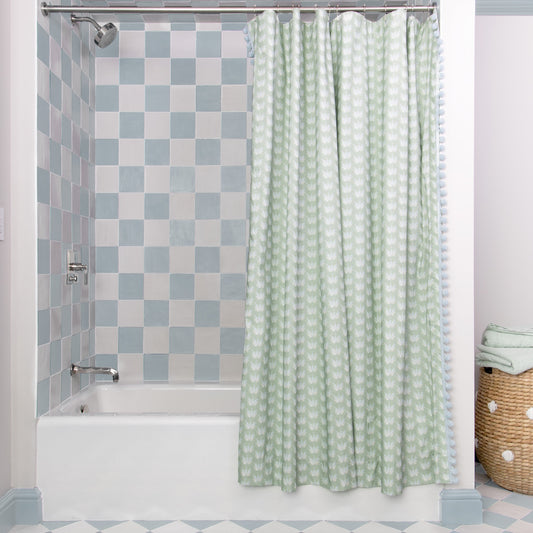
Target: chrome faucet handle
x: 77, y: 267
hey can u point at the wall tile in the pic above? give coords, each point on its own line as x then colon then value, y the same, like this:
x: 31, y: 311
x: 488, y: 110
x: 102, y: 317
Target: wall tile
x: 183, y: 71
x: 206, y: 367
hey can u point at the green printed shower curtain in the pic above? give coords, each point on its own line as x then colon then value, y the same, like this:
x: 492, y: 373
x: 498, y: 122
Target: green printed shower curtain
x: 343, y: 377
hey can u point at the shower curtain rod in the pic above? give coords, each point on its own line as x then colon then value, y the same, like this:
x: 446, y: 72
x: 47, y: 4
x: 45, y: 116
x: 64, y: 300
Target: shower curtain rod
x: 50, y: 8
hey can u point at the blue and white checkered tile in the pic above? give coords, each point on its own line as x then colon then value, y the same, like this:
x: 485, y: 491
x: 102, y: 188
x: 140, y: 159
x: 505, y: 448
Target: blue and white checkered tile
x: 504, y: 512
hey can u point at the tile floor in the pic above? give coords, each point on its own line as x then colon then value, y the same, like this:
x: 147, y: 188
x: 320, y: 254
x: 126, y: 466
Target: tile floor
x: 504, y: 512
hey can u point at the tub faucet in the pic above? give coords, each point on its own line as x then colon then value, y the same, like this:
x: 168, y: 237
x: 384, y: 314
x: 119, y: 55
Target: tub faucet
x: 76, y: 369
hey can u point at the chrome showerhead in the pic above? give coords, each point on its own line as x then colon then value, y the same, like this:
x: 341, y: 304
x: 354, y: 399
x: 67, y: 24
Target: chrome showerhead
x: 104, y: 34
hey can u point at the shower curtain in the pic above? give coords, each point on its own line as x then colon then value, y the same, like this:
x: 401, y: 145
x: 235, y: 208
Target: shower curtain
x: 343, y: 379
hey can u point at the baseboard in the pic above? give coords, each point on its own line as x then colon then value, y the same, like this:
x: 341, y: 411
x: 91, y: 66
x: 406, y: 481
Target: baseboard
x: 461, y: 506
x: 20, y: 506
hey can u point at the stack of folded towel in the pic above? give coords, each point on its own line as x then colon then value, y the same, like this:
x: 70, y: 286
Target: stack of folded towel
x: 509, y: 350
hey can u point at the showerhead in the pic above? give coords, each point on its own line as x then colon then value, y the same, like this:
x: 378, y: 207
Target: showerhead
x: 104, y: 34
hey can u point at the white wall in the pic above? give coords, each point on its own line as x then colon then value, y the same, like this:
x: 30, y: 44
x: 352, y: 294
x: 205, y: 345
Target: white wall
x: 504, y: 172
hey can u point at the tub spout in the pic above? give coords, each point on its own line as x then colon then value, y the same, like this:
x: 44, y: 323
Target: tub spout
x: 76, y: 369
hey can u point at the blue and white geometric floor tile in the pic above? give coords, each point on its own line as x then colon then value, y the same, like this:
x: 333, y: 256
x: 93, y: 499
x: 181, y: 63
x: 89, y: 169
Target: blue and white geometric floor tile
x: 504, y: 512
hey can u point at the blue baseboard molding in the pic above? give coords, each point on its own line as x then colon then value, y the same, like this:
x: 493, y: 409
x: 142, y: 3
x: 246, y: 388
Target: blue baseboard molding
x: 460, y: 507
x: 20, y: 506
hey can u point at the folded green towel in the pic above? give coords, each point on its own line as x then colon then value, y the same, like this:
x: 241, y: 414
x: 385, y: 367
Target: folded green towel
x: 499, y: 336
x: 509, y: 350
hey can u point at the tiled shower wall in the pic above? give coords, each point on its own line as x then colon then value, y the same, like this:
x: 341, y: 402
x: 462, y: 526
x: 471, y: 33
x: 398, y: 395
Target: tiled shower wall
x: 65, y: 196
x: 173, y: 113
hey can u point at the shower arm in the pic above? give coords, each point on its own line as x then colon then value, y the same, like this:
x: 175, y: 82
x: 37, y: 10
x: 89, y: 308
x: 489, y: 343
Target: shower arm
x: 75, y: 18
x: 50, y: 8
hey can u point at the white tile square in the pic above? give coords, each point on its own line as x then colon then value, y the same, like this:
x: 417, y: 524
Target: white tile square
x: 43, y: 221
x: 208, y: 178
x: 233, y: 205
x: 157, y: 179
x: 182, y: 152
x: 182, y: 206
x: 107, y: 125
x: 55, y: 58
x: 55, y: 124
x: 208, y: 71
x: 106, y: 286
x: 208, y: 22
x: 233, y: 152
x: 207, y: 233
x: 106, y: 178
x: 180, y: 369
x: 232, y: 259
x: 157, y: 71
x: 181, y: 313
x: 156, y: 286
x: 131, y: 44
x: 126, y: 527
x: 131, y: 205
x: 131, y: 259
x: 208, y: 125
x: 66, y: 102
x: 234, y: 98
x: 131, y: 98
x: 43, y: 150
x: 183, y: 98
x: 155, y: 340
x: 76, y: 78
x: 107, y: 71
x: 43, y: 295
x: 157, y: 25
x: 225, y: 527
x: 55, y: 390
x: 231, y: 368
x: 479, y: 528
x: 43, y: 81
x: 519, y: 527
x: 426, y: 527
x: 156, y: 232
x: 233, y: 44
x: 106, y: 232
x: 509, y: 509
x: 182, y: 259
x: 106, y: 339
x: 207, y: 340
x: 207, y: 287
x: 130, y: 367
x: 232, y: 313
x: 183, y: 44
x: 131, y: 313
x: 156, y: 125
x: 131, y: 152
x: 376, y: 527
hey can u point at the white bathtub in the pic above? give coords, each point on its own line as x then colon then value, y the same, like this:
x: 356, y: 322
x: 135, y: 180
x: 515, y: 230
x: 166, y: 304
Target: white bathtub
x: 163, y: 452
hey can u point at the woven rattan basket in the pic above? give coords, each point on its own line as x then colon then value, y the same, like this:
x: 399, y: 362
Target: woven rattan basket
x: 504, y: 428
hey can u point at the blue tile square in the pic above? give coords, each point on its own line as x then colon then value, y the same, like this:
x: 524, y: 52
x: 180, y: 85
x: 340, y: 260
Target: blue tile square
x: 56, y: 224
x: 232, y: 286
x: 43, y: 116
x: 84, y: 144
x: 232, y: 341
x: 76, y: 109
x: 156, y: 313
x: 66, y: 195
x: 55, y: 29
x: 182, y: 71
x: 76, y: 49
x: 157, y: 152
x: 157, y: 43
x: 85, y: 88
x: 55, y: 157
x: 155, y: 367
x: 43, y: 256
x: 182, y: 286
x: 130, y: 340
x: 182, y: 125
x: 520, y: 499
x: 106, y: 205
x: 208, y: 43
x: 131, y: 286
x: 234, y: 71
x: 75, y: 348
x: 233, y: 232
x: 181, y: 340
x: 66, y: 320
x: 106, y: 151
x: 131, y: 179
x: 208, y: 97
x: 106, y: 259
x: 55, y: 91
x: 43, y: 396
x: 156, y: 206
x: 66, y: 384
x: 206, y: 367
x: 43, y: 45
x: 498, y: 520
x: 234, y: 125
x: 84, y: 202
x: 156, y: 259
x: 66, y: 68
x: 182, y: 233
x: 207, y: 313
x: 157, y: 98
x: 43, y: 186
x: 207, y: 206
x: 55, y: 357
x: 43, y: 326
x: 131, y: 71
x: 208, y: 151
x: 131, y: 125
x: 66, y: 131
x: 106, y: 98
x: 84, y: 315
x: 106, y: 313
x: 207, y: 259
x: 233, y: 179
x: 182, y: 179
x: 131, y: 232
x: 56, y: 286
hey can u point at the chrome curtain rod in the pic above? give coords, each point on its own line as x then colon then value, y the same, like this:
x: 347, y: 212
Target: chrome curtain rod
x: 50, y: 8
